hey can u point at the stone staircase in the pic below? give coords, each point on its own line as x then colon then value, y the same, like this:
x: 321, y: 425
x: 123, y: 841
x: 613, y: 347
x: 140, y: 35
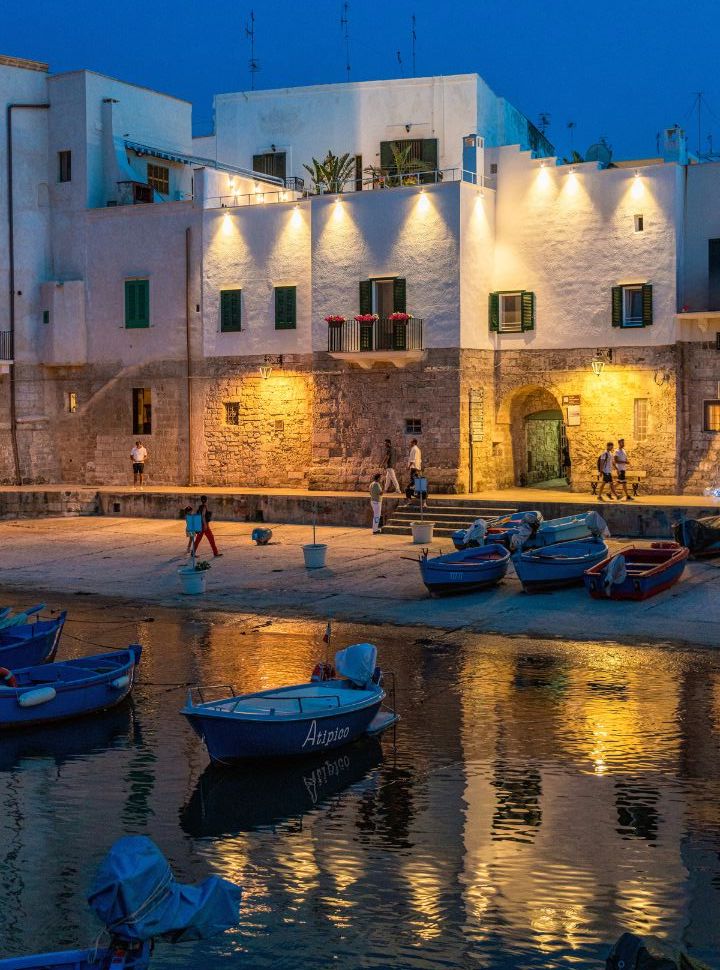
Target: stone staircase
x: 448, y: 514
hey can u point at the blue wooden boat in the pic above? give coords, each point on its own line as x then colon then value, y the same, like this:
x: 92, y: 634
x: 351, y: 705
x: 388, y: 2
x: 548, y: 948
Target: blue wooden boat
x: 70, y: 688
x: 465, y: 571
x: 636, y: 573
x: 565, y: 529
x: 119, y: 956
x: 29, y: 644
x: 558, y: 565
x: 299, y: 720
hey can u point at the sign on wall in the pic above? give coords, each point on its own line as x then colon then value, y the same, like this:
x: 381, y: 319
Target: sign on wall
x: 572, y: 415
x: 573, y: 399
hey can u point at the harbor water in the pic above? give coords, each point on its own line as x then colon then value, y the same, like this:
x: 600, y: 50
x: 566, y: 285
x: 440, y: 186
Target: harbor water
x: 536, y: 799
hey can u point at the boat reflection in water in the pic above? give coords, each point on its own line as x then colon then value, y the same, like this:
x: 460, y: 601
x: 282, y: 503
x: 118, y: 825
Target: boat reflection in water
x: 249, y: 797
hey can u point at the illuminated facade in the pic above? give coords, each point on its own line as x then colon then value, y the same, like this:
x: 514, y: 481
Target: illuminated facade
x: 509, y: 308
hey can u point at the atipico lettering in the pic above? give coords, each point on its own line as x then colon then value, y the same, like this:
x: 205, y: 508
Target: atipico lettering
x: 323, y: 738
x: 319, y: 777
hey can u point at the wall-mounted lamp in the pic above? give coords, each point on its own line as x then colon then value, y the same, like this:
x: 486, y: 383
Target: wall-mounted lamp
x: 661, y: 377
x: 597, y: 364
x: 265, y: 371
x: 637, y: 173
x: 266, y: 368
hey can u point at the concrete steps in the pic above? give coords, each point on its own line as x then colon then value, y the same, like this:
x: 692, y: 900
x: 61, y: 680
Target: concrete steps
x: 449, y: 515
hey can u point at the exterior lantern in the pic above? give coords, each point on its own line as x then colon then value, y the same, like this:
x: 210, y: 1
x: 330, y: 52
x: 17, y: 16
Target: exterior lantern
x: 265, y: 371
x: 597, y: 365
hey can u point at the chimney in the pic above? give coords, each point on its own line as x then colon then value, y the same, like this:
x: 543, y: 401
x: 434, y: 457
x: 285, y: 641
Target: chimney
x: 675, y: 145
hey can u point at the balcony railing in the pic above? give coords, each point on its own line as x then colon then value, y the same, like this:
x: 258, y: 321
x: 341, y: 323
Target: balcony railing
x: 355, y: 337
x: 6, y: 345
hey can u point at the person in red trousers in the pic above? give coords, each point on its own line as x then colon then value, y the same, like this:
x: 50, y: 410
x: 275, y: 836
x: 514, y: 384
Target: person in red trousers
x: 206, y: 515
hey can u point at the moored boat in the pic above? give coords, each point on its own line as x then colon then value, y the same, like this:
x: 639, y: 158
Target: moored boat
x: 564, y: 529
x: 636, y: 573
x: 558, y: 565
x: 498, y: 529
x: 70, y: 688
x: 701, y: 536
x: 301, y: 719
x: 464, y: 571
x: 28, y: 644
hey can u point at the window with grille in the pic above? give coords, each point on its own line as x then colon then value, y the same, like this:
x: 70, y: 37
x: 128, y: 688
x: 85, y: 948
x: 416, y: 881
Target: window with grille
x: 640, y: 418
x: 142, y: 410
x: 232, y: 412
x: 158, y: 177
x: 64, y: 166
x: 711, y: 420
x: 270, y: 163
x: 413, y: 426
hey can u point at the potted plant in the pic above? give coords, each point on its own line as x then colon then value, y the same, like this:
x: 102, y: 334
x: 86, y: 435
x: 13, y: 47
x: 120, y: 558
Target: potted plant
x: 193, y: 577
x: 314, y: 552
x: 422, y: 531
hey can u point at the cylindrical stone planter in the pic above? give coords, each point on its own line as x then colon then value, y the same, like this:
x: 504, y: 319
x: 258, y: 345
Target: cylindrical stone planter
x: 192, y: 580
x: 422, y: 532
x: 314, y: 553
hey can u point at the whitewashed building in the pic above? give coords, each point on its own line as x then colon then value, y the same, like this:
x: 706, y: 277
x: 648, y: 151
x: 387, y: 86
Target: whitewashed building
x: 511, y: 307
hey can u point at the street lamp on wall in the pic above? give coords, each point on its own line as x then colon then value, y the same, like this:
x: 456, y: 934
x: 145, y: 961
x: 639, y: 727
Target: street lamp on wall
x: 266, y: 368
x: 265, y: 371
x: 597, y: 364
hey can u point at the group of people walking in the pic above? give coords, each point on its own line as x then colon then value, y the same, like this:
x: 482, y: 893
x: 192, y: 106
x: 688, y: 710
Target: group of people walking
x: 377, y: 489
x: 615, y: 461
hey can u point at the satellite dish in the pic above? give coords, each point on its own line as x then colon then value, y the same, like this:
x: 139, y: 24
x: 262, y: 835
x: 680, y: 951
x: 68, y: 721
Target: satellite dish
x: 600, y: 152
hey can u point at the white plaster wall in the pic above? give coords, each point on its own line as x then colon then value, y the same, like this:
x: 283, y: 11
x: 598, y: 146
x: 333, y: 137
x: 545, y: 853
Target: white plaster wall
x: 256, y: 248
x: 570, y: 238
x: 477, y: 261
x: 63, y: 340
x: 702, y: 223
x: 397, y: 232
x: 30, y: 206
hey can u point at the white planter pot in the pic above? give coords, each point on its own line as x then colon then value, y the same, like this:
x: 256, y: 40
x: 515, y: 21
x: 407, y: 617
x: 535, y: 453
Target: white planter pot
x: 422, y: 532
x: 314, y: 553
x: 192, y: 580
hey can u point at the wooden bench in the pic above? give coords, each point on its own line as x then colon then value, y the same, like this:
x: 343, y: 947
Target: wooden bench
x: 634, y: 478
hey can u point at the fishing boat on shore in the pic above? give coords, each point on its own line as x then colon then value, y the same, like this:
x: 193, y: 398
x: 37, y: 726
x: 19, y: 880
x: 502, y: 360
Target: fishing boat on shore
x: 558, y: 565
x: 465, y: 571
x: 637, y: 573
x: 496, y: 530
x: 25, y: 644
x: 137, y: 899
x: 70, y: 688
x: 701, y: 536
x: 336, y: 708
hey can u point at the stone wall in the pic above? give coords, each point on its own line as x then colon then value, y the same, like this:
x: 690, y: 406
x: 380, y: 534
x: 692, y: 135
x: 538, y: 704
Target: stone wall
x: 700, y: 449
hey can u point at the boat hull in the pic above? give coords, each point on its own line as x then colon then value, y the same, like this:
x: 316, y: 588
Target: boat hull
x: 649, y: 572
x: 466, y: 571
x: 92, y: 959
x: 552, y: 531
x: 559, y: 565
x: 31, y: 643
x: 110, y: 680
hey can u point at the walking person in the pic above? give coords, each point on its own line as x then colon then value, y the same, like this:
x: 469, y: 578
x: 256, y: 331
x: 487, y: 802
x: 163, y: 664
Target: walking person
x: 204, y: 512
x: 605, y: 468
x: 376, y: 493
x: 138, y: 457
x: 414, y: 464
x: 567, y: 464
x: 184, y: 514
x: 621, y: 461
x: 390, y: 476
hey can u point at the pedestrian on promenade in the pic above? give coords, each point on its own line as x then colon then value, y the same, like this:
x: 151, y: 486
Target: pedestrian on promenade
x: 621, y: 461
x: 376, y: 492
x: 567, y: 463
x: 184, y: 514
x: 138, y: 457
x: 414, y: 464
x: 605, y: 467
x: 389, y: 465
x: 204, y: 512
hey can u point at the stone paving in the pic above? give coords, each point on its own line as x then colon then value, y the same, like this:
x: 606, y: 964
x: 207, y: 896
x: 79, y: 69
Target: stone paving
x: 369, y: 579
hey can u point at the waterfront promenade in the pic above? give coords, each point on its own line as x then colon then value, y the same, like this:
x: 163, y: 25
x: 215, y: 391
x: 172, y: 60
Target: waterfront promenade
x: 368, y: 580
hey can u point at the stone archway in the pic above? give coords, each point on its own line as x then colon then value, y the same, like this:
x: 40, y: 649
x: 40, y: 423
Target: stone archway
x: 534, y: 436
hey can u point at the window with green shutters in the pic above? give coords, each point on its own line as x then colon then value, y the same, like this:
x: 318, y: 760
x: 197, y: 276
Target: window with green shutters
x: 511, y: 311
x: 632, y: 305
x: 137, y: 303
x: 230, y: 311
x: 285, y: 308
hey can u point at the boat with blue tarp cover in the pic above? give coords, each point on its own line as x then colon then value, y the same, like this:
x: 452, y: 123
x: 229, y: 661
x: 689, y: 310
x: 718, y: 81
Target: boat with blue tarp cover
x: 70, y: 688
x: 329, y: 712
x: 24, y: 644
x: 561, y: 564
x: 137, y: 899
x: 496, y: 530
x: 465, y: 571
x: 636, y: 573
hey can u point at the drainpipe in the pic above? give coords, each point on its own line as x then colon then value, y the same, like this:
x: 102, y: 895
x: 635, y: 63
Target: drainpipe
x: 11, y: 273
x: 188, y: 358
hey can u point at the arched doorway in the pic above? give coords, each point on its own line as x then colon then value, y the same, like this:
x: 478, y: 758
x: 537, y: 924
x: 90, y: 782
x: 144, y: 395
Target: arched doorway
x: 537, y: 435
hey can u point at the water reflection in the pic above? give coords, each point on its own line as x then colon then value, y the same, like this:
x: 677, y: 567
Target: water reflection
x: 537, y: 799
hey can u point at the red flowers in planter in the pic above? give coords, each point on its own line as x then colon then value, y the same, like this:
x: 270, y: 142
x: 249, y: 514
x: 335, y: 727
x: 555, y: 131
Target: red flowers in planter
x: 366, y: 317
x: 333, y: 318
x: 401, y: 317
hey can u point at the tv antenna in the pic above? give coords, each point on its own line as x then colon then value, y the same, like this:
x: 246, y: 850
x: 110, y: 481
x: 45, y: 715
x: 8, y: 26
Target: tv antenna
x: 254, y: 65
x: 399, y: 59
x: 544, y: 122
x: 345, y: 26
x: 414, y: 39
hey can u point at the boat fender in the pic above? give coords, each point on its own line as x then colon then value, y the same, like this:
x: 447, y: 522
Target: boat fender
x: 120, y: 682
x: 322, y: 671
x: 7, y: 677
x: 31, y: 698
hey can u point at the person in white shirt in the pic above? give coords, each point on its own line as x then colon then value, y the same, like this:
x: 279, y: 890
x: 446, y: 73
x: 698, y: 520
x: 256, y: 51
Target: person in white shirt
x: 621, y: 461
x: 138, y: 457
x: 414, y: 464
x: 605, y: 467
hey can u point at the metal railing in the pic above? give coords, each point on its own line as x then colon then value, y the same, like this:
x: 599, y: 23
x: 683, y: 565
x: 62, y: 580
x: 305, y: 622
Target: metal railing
x: 357, y: 337
x: 6, y: 345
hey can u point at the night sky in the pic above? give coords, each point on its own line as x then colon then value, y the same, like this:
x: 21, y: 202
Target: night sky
x: 622, y: 70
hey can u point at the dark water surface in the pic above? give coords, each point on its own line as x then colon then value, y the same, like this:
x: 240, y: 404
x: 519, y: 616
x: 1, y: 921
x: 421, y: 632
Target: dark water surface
x: 536, y: 799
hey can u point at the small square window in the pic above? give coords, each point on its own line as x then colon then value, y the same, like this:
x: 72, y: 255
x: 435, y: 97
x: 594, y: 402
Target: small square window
x: 71, y: 402
x: 46, y: 316
x: 510, y: 312
x: 64, y: 166
x: 142, y: 410
x: 711, y: 417
x: 158, y: 177
x: 639, y: 223
x: 632, y: 306
x: 413, y: 426
x: 232, y: 412
x: 279, y: 425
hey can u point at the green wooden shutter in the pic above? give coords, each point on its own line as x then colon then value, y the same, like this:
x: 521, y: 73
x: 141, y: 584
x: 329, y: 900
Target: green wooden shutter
x: 647, y: 304
x: 494, y: 312
x: 617, y: 306
x: 386, y: 156
x: 230, y: 311
x: 527, y: 310
x: 137, y: 303
x: 399, y: 295
x: 365, y: 296
x: 430, y: 153
x: 285, y: 303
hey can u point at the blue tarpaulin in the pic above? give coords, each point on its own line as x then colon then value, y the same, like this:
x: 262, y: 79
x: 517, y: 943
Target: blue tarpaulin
x: 135, y: 894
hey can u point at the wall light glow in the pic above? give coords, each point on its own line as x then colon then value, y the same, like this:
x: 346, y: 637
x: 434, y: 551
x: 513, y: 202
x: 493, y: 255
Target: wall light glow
x: 227, y: 224
x: 423, y: 202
